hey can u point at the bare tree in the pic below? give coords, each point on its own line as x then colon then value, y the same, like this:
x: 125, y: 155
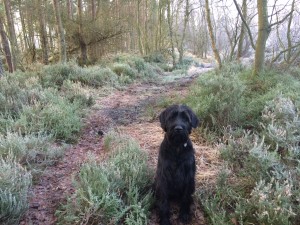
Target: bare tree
x: 43, y: 32
x: 212, y: 36
x: 243, y: 28
x: 12, y: 33
x: 171, y: 34
x: 60, y: 31
x: 6, y: 48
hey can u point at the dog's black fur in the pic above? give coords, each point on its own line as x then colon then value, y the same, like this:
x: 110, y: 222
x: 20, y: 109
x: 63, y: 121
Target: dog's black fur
x: 175, y: 175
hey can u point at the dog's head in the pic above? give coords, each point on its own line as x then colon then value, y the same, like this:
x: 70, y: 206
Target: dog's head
x: 177, y: 121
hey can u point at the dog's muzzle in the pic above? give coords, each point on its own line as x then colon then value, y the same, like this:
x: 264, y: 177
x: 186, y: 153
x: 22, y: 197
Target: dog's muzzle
x: 178, y: 134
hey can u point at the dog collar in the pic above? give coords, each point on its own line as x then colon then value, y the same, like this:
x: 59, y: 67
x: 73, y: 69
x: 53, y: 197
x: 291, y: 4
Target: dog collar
x: 185, y: 144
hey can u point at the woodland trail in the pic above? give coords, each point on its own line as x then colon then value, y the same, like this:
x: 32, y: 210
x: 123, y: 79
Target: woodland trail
x: 132, y: 111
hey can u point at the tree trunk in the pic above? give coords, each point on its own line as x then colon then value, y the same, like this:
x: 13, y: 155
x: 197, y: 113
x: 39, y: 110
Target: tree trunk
x: 93, y: 9
x: 70, y: 9
x: 12, y: 33
x: 43, y: 33
x: 243, y: 30
x: 263, y: 33
x: 24, y: 30
x: 82, y: 44
x: 139, y: 32
x: 170, y: 23
x: 211, y: 34
x: 60, y: 31
x: 185, y: 22
x: 6, y: 47
x: 288, y: 35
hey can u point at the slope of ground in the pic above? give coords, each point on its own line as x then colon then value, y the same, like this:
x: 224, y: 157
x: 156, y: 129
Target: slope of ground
x: 131, y: 111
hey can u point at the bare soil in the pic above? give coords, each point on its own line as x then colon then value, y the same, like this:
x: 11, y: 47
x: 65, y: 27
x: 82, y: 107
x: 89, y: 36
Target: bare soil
x: 132, y: 111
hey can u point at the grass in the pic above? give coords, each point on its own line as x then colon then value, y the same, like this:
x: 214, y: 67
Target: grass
x: 258, y: 119
x: 14, y: 184
x: 114, y: 191
x: 41, y: 110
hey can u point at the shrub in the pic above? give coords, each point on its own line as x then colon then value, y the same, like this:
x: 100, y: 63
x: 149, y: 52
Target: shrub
x: 281, y: 125
x: 75, y: 93
x: 55, y: 75
x: 263, y: 186
x: 115, y: 191
x: 230, y: 98
x: 156, y: 57
x: 216, y: 98
x: 122, y: 69
x: 52, y: 114
x: 14, y: 184
x: 32, y: 150
x: 96, y: 77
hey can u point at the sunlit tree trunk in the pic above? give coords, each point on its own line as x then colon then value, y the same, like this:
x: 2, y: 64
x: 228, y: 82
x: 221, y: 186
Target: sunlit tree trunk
x: 6, y: 48
x: 170, y: 23
x: 263, y: 33
x: 12, y: 34
x: 185, y: 22
x: 60, y: 31
x: 212, y: 36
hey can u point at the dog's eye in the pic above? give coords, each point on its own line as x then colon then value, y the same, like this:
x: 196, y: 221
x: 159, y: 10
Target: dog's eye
x: 185, y: 116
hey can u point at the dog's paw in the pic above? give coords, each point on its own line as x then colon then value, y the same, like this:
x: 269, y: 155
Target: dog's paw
x: 184, y: 218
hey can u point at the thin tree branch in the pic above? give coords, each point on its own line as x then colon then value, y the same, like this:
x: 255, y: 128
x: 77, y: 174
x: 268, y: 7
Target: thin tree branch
x: 246, y: 25
x: 280, y: 21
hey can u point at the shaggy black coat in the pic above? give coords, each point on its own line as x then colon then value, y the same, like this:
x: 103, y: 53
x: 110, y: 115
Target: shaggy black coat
x: 175, y: 174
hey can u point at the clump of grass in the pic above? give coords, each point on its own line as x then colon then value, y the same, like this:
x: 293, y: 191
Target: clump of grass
x: 14, y: 184
x: 115, y: 191
x: 52, y: 114
x: 122, y: 69
x: 217, y: 99
x: 35, y: 151
x: 262, y: 181
x: 229, y: 97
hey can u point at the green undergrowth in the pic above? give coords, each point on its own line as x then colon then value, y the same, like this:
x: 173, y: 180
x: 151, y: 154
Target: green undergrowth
x: 116, y: 191
x: 41, y: 112
x: 257, y: 121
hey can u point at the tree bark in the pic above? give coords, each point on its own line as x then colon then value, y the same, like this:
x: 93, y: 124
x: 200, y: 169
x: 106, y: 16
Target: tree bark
x: 170, y: 23
x: 6, y: 47
x: 211, y: 34
x: 263, y: 33
x: 43, y: 32
x: 70, y: 9
x: 60, y: 31
x: 242, y: 34
x: 82, y: 44
x: 12, y: 33
x: 185, y: 22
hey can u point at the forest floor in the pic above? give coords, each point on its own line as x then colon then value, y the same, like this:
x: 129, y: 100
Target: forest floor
x: 132, y: 111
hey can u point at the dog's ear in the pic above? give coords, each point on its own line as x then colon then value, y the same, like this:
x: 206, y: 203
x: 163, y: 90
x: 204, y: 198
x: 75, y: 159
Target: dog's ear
x: 194, y: 119
x: 162, y: 119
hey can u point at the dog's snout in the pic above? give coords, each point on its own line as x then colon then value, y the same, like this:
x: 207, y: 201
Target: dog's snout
x: 178, y: 128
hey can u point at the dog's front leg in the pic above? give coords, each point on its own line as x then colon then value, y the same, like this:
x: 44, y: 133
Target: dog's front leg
x: 164, y: 212
x: 187, y: 199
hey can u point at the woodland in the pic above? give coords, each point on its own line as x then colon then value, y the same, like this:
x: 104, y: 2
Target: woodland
x: 82, y: 83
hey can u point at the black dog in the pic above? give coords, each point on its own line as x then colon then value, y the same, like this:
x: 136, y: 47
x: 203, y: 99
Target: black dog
x: 175, y: 175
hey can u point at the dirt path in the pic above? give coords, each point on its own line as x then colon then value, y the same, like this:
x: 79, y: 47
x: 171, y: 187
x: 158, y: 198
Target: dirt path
x: 132, y: 111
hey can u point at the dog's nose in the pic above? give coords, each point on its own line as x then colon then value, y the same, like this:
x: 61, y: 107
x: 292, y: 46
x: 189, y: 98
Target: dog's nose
x: 178, y: 128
